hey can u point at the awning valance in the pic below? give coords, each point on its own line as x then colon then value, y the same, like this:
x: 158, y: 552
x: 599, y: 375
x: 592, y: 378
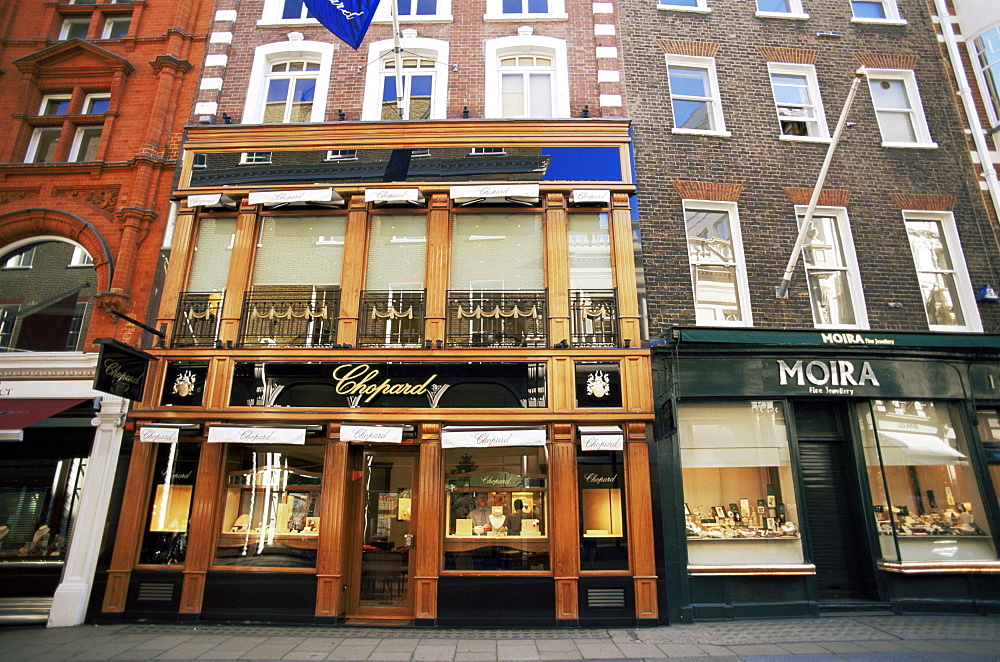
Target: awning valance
x: 294, y: 197
x: 211, y: 200
x: 372, y: 434
x: 601, y: 438
x: 525, y: 193
x: 393, y: 195
x: 19, y: 413
x: 590, y: 196
x: 235, y: 435
x: 491, y: 437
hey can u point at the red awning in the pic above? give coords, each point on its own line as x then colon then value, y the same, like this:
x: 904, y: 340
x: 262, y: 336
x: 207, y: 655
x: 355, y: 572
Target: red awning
x: 19, y: 413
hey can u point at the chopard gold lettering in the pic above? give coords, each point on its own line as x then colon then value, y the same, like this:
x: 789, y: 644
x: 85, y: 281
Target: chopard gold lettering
x: 360, y: 379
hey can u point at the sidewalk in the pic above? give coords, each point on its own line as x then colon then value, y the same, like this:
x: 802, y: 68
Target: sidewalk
x: 860, y: 637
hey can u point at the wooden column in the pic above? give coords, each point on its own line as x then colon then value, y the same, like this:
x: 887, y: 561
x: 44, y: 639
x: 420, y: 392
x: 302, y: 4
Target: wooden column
x: 623, y: 262
x: 429, y: 512
x: 564, y: 527
x: 557, y: 266
x: 131, y: 521
x: 330, y: 582
x: 352, y: 279
x: 438, y: 265
x: 640, y: 520
x: 240, y: 271
x: 202, y: 531
x: 177, y: 269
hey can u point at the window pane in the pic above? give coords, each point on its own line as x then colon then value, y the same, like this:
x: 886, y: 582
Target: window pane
x: 789, y: 89
x: 497, y: 252
x: 117, y: 28
x: 485, y: 530
x: 271, y: 506
x: 420, y: 96
x: 88, y: 139
x: 292, y: 9
x: 822, y: 247
x: 603, y: 541
x: 426, y: 7
x: 867, y: 9
x: 716, y: 294
x: 302, y: 250
x: 831, y: 297
x: 988, y: 55
x: 277, y: 96
x: 538, y: 6
x: 97, y: 105
x: 55, y: 106
x: 709, y: 238
x: 541, y: 95
x: 512, y: 104
x: 926, y: 500
x: 302, y: 100
x: 738, y: 484
x: 75, y: 29
x: 46, y: 144
x: 941, y: 299
x: 165, y: 540
x: 897, y: 127
x: 212, y: 251
x: 397, y: 251
x: 777, y: 6
x: 512, y: 6
x: 688, y: 81
x: 680, y: 3
x: 589, y: 252
x: 930, y: 252
x: 692, y: 115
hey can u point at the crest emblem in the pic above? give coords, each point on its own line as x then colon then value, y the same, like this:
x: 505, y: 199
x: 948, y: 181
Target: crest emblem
x: 184, y: 384
x: 598, y: 384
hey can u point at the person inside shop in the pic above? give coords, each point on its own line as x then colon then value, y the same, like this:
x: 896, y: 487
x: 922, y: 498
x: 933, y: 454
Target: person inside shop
x: 515, y: 518
x: 480, y: 515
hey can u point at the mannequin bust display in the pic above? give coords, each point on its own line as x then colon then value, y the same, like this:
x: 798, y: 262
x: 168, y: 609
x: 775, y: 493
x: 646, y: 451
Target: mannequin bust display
x: 497, y: 519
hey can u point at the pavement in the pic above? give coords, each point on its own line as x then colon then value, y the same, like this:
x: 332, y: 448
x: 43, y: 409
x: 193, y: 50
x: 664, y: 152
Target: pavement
x: 924, y: 638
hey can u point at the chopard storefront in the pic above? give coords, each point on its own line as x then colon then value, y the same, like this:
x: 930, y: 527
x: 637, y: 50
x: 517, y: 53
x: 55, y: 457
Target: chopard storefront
x: 809, y: 472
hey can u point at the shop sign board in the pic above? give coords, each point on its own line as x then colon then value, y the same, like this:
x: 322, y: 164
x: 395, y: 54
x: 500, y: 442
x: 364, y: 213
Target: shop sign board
x: 158, y: 435
x: 372, y: 434
x: 121, y: 370
x: 599, y: 476
x: 235, y: 435
x: 593, y: 438
x: 459, y: 437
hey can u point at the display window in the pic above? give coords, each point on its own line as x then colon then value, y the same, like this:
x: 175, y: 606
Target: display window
x: 603, y: 542
x: 165, y: 539
x: 496, y: 501
x: 39, y: 500
x: 738, y: 490
x: 989, y: 433
x: 926, y: 503
x: 270, y: 506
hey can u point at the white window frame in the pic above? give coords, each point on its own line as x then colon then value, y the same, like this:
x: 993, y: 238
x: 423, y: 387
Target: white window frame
x: 443, y: 14
x: 433, y: 49
x: 991, y: 102
x: 341, y: 155
x: 272, y: 11
x: 739, y: 260
x: 889, y: 7
x: 557, y: 12
x: 919, y: 120
x: 111, y: 22
x: 80, y: 258
x: 74, y: 152
x: 91, y: 98
x: 36, y: 137
x: 68, y: 23
x: 526, y: 44
x: 715, y: 98
x: 963, y: 284
x: 795, y: 11
x: 255, y: 158
x: 268, y: 54
x: 700, y: 6
x: 292, y: 77
x: 22, y: 260
x: 850, y: 265
x: 53, y: 97
x: 807, y: 71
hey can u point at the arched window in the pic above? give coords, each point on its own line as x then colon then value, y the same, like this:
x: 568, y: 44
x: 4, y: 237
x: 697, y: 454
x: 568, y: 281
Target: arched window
x: 526, y: 77
x: 289, y: 82
x: 291, y: 90
x: 424, y: 81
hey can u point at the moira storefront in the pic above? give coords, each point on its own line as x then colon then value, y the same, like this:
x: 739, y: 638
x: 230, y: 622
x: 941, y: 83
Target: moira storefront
x: 806, y: 472
x: 433, y: 491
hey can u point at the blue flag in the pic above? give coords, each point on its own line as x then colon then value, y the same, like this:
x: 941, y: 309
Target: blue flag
x: 348, y: 19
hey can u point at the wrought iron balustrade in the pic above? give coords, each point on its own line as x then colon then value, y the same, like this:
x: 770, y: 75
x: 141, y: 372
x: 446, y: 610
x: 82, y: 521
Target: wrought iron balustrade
x: 289, y: 317
x: 197, y: 320
x: 594, y: 318
x: 481, y: 318
x: 391, y: 319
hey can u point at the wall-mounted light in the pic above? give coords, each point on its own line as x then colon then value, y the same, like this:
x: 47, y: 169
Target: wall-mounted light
x: 987, y: 293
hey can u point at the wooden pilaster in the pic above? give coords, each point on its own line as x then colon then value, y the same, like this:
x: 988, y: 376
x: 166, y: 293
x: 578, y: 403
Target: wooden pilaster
x: 330, y: 566
x: 623, y: 262
x: 202, y: 531
x: 438, y: 265
x: 564, y: 527
x: 352, y: 280
x: 429, y: 511
x: 640, y: 518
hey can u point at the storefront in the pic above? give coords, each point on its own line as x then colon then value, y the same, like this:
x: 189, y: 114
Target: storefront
x: 807, y: 472
x: 423, y: 400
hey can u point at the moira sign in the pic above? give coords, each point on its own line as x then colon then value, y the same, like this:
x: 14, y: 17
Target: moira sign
x: 826, y: 374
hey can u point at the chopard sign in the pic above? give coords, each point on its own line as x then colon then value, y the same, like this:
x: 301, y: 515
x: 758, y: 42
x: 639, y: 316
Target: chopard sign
x: 362, y: 379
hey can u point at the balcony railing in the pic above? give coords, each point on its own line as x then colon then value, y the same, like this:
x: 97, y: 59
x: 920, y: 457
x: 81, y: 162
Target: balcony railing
x: 594, y: 318
x: 480, y: 318
x: 197, y: 321
x: 289, y: 317
x: 391, y: 319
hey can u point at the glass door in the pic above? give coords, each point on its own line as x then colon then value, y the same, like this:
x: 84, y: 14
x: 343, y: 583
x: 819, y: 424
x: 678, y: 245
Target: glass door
x: 387, y: 529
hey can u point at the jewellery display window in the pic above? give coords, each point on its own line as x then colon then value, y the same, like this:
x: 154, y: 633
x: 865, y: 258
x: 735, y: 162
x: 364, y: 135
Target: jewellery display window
x: 601, y: 478
x: 165, y: 539
x: 738, y: 489
x: 270, y: 506
x: 989, y: 433
x: 926, y: 503
x: 496, y: 502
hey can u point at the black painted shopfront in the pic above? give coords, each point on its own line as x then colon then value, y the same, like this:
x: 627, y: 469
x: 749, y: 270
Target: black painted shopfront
x: 803, y: 472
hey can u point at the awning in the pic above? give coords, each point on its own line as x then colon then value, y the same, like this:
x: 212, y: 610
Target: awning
x: 393, y: 195
x: 211, y: 200
x: 17, y: 413
x: 601, y: 438
x: 523, y: 193
x: 250, y: 435
x: 292, y: 197
x: 580, y: 196
x: 372, y: 434
x: 459, y: 436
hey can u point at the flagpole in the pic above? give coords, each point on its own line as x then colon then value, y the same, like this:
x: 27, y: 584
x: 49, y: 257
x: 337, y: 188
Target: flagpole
x: 781, y: 291
x: 403, y: 113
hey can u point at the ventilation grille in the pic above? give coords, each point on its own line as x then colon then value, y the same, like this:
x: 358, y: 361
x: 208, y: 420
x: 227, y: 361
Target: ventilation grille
x: 155, y: 592
x: 606, y: 598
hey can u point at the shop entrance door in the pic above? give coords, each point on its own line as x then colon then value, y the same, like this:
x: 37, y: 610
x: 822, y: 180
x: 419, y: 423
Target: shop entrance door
x: 833, y: 509
x: 383, y: 566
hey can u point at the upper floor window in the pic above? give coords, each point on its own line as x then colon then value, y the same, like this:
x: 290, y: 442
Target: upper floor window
x: 944, y: 281
x: 415, y: 11
x: 781, y: 9
x: 74, y: 28
x: 44, y: 145
x: 694, y: 95
x: 424, y: 77
x: 255, y: 157
x: 291, y: 88
x: 798, y: 102
x: 295, y: 10
x: 718, y: 270
x: 832, y: 270
x: 987, y: 57
x: 289, y: 82
x: 875, y: 11
x: 80, y: 258
x: 684, y: 5
x: 116, y: 28
x: 341, y: 154
x: 95, y: 104
x: 547, y: 10
x: 55, y: 104
x: 20, y: 260
x: 898, y: 108
x: 85, y: 143
x: 479, y: 151
x: 526, y: 76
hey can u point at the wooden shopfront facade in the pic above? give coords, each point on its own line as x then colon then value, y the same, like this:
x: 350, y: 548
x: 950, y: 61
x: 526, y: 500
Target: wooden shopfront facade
x: 415, y: 391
